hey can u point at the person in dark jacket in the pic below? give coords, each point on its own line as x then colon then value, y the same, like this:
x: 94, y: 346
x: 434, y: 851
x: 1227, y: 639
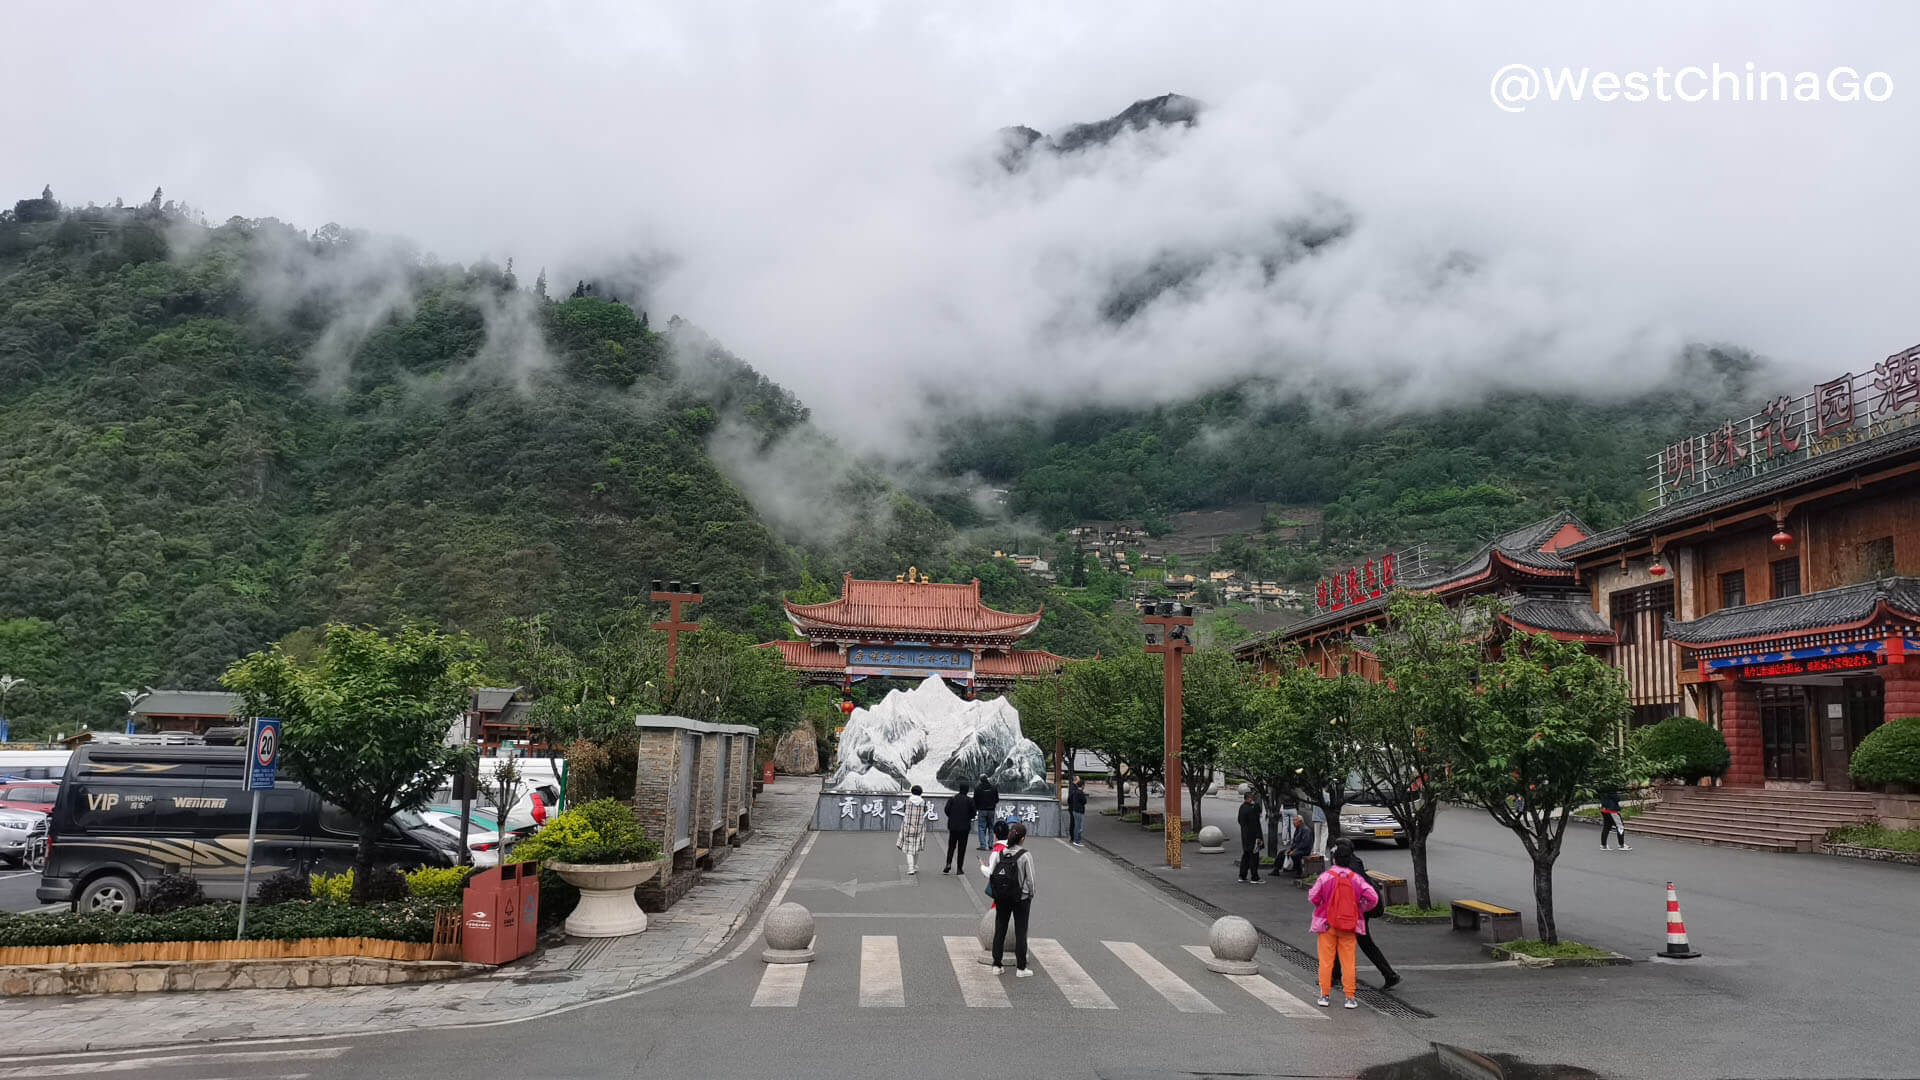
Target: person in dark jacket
x: 1250, y: 838
x: 986, y: 798
x: 1302, y: 845
x: 959, y: 811
x: 1611, y: 821
x: 1364, y: 938
x: 1077, y: 809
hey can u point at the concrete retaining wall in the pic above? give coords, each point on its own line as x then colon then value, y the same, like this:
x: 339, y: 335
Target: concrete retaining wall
x: 48, y: 980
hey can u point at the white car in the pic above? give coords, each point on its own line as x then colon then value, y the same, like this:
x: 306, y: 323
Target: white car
x: 482, y: 844
x: 23, y: 837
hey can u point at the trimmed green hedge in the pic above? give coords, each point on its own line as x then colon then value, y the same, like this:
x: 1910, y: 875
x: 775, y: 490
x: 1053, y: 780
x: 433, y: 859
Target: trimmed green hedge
x: 1890, y: 754
x: 401, y: 920
x: 1682, y: 748
x: 601, y: 831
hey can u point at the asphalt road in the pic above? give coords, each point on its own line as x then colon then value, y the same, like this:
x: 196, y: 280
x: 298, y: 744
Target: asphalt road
x: 16, y: 890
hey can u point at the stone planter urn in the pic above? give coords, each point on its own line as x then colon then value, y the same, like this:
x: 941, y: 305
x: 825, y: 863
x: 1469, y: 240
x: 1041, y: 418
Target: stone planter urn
x: 607, y: 907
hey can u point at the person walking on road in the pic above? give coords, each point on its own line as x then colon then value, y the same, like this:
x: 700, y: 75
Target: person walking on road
x: 1611, y: 820
x: 913, y: 830
x: 1250, y: 838
x: 1340, y: 901
x: 959, y: 811
x: 1388, y: 977
x: 986, y: 798
x: 1300, y: 846
x: 1077, y: 810
x: 1010, y: 881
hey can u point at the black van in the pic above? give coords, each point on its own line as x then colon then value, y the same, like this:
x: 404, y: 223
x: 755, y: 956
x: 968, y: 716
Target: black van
x: 127, y: 815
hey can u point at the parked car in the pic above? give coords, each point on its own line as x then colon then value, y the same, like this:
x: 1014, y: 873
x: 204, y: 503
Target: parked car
x: 23, y: 837
x: 483, y: 832
x: 1371, y: 823
x: 126, y: 815
x: 29, y: 796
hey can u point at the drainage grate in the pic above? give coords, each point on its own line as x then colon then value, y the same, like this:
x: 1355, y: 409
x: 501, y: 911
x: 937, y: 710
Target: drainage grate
x: 589, y: 953
x: 1378, y: 1000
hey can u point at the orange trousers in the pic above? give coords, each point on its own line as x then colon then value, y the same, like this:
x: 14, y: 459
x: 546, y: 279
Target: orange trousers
x: 1332, y: 943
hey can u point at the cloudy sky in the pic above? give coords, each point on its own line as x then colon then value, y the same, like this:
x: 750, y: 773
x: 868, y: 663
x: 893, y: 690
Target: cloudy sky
x: 821, y: 176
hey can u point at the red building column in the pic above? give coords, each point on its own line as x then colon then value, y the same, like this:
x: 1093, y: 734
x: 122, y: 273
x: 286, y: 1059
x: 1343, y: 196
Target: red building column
x: 1903, y: 688
x: 1740, y: 726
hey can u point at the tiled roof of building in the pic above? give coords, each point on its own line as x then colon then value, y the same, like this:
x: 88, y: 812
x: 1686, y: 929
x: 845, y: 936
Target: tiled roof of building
x: 912, y: 606
x: 1849, y: 605
x: 187, y: 703
x: 493, y: 698
x: 1847, y: 458
x: 1569, y: 615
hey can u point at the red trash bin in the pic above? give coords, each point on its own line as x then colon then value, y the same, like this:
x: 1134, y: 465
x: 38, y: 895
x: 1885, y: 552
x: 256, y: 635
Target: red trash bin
x: 766, y: 775
x: 480, y: 923
x: 529, y: 908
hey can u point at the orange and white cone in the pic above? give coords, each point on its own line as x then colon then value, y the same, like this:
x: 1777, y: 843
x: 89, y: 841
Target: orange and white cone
x: 1677, y: 946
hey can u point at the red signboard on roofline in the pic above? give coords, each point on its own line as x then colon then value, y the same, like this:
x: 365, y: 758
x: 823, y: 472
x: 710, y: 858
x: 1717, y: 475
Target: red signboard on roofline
x: 1813, y: 666
x: 1356, y: 585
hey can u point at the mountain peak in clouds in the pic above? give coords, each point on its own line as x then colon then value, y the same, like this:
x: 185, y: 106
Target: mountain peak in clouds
x: 1167, y: 110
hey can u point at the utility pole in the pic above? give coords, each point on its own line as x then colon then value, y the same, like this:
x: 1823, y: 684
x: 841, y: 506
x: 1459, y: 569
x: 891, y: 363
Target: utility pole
x: 674, y: 624
x: 1167, y: 635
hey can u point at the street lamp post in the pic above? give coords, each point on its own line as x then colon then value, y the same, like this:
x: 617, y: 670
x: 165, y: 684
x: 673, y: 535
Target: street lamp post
x: 1167, y: 635
x: 674, y: 624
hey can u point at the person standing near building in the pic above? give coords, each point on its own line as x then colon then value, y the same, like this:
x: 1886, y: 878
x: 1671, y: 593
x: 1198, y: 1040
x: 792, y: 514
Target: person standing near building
x: 1612, y: 821
x: 1340, y: 900
x: 1319, y: 829
x: 913, y: 830
x: 1250, y: 838
x: 986, y: 799
x: 1010, y: 881
x: 1077, y: 810
x: 1300, y: 846
x: 1388, y: 977
x: 959, y: 811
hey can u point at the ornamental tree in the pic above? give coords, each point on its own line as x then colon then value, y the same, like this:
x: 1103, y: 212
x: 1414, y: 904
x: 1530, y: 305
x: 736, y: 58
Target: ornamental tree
x: 365, y: 720
x: 1112, y: 705
x: 1540, y: 742
x: 1300, y: 724
x: 1213, y: 709
x: 1407, y: 729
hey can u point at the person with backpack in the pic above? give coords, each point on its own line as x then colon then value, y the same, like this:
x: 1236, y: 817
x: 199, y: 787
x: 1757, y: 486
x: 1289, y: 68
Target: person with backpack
x: 1250, y: 838
x: 913, y: 830
x: 1010, y: 883
x: 1611, y: 820
x: 1077, y: 810
x: 959, y: 810
x: 986, y: 798
x: 1389, y: 978
x: 1340, y: 900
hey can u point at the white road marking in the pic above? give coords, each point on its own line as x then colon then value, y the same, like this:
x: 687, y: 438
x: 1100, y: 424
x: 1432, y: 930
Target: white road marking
x: 979, y: 986
x: 780, y: 985
x: 1275, y: 998
x: 1072, y: 979
x: 77, y: 1068
x: 1164, y: 982
x: 881, y: 985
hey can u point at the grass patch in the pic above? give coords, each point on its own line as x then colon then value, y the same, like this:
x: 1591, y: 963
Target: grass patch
x: 1627, y: 813
x: 1130, y: 818
x: 1415, y: 911
x: 1877, y: 836
x: 1109, y: 813
x: 1566, y: 950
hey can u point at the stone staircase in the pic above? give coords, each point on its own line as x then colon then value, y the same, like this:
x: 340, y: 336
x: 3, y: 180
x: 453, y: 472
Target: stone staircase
x: 1760, y: 818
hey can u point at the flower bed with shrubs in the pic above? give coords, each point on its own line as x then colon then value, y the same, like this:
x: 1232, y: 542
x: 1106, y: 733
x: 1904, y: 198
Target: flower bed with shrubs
x: 398, y: 920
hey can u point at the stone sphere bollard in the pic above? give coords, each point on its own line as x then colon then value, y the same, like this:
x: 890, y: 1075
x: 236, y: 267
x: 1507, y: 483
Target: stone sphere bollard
x: 1212, y: 840
x: 984, y: 934
x: 789, y: 935
x: 1233, y: 941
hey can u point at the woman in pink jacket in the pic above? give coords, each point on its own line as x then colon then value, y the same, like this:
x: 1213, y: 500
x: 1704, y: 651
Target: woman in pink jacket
x: 1341, y: 899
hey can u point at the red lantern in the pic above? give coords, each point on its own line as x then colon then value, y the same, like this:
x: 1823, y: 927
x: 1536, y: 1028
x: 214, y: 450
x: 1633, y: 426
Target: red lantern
x: 846, y: 707
x: 1782, y: 538
x: 1658, y: 569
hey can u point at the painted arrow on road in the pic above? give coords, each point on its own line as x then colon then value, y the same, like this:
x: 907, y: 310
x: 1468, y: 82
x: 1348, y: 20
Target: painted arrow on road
x: 851, y: 888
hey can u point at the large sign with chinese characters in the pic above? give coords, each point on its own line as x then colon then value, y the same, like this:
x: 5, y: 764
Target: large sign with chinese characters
x: 1832, y: 415
x: 854, y: 812
x: 1357, y: 585
x: 908, y: 660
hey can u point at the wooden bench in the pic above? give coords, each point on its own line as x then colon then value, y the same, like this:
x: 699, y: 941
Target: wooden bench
x: 1393, y: 890
x: 1494, y: 923
x: 1150, y: 818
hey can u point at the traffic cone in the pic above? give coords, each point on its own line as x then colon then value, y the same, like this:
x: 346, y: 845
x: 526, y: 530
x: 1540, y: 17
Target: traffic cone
x: 1677, y: 947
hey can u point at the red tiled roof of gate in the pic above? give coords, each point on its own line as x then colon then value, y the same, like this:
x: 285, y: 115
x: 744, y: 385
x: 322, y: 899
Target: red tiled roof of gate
x: 1009, y: 664
x: 912, y: 606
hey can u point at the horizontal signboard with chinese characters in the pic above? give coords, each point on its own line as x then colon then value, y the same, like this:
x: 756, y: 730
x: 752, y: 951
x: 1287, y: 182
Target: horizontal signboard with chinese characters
x: 1357, y: 585
x: 1832, y: 415
x: 903, y: 660
x: 1819, y: 666
x: 1816, y: 652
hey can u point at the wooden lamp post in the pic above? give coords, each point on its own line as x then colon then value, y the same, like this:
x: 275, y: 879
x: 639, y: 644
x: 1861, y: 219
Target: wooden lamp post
x: 1167, y: 635
x: 674, y: 623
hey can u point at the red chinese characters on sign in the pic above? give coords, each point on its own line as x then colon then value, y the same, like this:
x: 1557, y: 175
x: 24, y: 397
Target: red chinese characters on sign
x: 1368, y: 581
x: 1354, y: 595
x: 1386, y: 570
x: 1339, y: 598
x: 1679, y: 464
x: 1320, y: 594
x: 1833, y: 406
x: 1723, y: 448
x: 1898, y: 380
x: 1773, y: 438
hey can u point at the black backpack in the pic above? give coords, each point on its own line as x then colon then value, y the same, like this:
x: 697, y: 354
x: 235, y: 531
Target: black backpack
x: 1004, y: 884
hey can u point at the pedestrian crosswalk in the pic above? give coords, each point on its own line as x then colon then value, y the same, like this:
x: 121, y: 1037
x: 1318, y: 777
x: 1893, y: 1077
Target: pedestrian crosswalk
x: 1136, y: 975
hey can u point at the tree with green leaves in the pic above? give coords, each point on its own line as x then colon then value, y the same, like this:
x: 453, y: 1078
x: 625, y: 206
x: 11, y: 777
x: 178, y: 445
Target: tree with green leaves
x: 1540, y: 744
x: 1213, y: 709
x: 1312, y: 726
x: 365, y: 722
x: 1113, y: 706
x: 1406, y: 730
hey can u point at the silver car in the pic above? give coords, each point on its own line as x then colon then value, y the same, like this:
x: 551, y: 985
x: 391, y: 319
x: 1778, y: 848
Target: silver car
x: 23, y: 838
x: 1371, y: 823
